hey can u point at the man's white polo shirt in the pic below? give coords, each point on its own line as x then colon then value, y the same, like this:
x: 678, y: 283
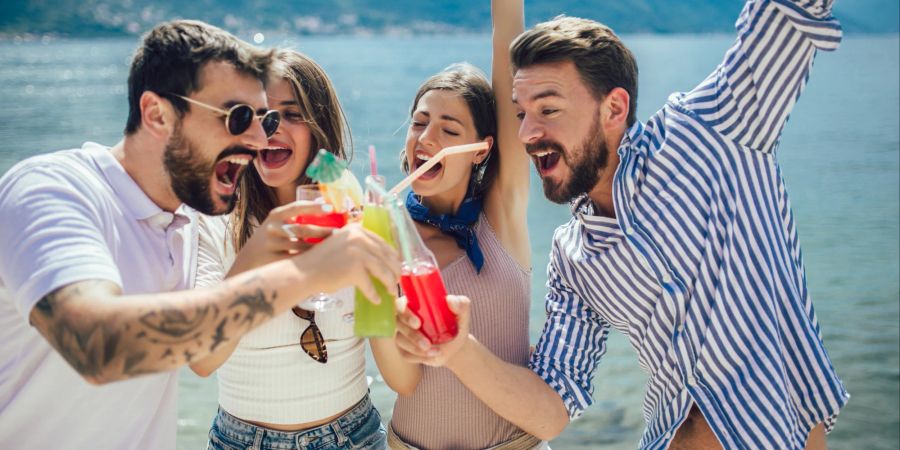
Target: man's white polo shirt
x: 65, y: 217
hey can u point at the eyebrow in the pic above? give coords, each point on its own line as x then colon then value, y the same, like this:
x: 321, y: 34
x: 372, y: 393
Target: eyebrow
x: 443, y: 116
x: 540, y: 95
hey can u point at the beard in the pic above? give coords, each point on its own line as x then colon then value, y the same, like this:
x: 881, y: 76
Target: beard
x: 190, y: 174
x: 585, y: 165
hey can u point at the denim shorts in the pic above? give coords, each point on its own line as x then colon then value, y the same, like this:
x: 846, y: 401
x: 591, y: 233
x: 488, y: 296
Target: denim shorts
x: 359, y: 428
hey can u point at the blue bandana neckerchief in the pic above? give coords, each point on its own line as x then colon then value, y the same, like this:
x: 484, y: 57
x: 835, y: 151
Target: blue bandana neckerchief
x: 459, y: 225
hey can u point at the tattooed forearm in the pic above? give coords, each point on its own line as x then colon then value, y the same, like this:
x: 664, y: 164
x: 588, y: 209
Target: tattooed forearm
x: 86, y: 346
x: 219, y: 337
x: 173, y: 325
x: 131, y: 361
x: 106, y: 338
x: 255, y: 303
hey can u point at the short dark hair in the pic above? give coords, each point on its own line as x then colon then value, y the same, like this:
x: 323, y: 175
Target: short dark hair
x: 602, y: 60
x: 172, y: 55
x: 470, y: 83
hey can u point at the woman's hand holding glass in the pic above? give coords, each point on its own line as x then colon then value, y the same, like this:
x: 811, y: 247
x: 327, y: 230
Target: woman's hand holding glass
x: 276, y: 239
x: 414, y: 347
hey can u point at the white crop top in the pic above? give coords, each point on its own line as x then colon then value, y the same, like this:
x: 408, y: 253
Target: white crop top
x: 269, y: 378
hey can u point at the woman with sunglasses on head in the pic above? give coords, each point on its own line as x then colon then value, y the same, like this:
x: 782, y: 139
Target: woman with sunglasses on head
x: 299, y: 379
x: 470, y: 211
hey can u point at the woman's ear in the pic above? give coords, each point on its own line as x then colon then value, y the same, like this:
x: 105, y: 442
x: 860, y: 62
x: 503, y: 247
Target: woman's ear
x: 483, y: 154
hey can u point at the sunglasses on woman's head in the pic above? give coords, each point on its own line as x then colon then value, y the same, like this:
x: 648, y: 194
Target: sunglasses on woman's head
x: 311, y: 339
x: 239, y: 117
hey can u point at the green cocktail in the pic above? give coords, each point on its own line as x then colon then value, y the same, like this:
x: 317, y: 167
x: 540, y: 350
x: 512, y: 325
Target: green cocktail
x: 370, y: 319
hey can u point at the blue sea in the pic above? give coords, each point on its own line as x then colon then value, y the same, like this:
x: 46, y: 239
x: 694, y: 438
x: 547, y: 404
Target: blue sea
x: 840, y: 154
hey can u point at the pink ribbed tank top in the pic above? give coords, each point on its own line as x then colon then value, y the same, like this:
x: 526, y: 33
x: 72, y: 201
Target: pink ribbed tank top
x: 442, y: 414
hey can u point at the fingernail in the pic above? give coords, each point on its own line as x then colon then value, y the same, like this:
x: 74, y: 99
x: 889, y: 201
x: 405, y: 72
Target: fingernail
x: 327, y: 207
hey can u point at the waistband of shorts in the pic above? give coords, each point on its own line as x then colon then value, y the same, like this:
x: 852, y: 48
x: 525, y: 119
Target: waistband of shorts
x: 347, y: 421
x: 522, y: 441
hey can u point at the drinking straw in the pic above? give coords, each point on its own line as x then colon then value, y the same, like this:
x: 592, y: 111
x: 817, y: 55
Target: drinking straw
x: 397, y: 211
x: 447, y: 151
x: 373, y: 163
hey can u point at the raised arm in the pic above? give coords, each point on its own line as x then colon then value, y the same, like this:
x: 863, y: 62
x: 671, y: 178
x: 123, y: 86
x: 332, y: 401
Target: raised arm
x: 750, y: 95
x: 507, y: 202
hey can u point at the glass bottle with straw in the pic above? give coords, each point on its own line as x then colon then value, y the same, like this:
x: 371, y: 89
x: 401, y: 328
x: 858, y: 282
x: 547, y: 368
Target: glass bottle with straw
x: 371, y: 319
x: 421, y: 281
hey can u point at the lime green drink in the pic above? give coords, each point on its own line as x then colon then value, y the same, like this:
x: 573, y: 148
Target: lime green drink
x: 370, y: 319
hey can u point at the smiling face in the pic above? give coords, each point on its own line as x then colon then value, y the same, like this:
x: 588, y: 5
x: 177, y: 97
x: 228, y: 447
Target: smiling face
x: 285, y: 157
x: 561, y: 128
x: 202, y: 160
x: 441, y: 119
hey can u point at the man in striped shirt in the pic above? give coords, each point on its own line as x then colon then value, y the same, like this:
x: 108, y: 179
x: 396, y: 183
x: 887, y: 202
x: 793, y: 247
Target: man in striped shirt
x: 682, y: 238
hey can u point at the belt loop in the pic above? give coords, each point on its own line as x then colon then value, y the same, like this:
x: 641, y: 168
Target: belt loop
x: 339, y: 433
x: 257, y: 439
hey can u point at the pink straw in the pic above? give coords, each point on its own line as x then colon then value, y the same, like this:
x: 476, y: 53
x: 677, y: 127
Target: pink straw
x: 373, y: 163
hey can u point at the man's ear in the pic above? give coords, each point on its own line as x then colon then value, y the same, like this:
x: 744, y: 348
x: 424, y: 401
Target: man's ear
x: 158, y: 115
x: 483, y: 154
x: 615, y: 108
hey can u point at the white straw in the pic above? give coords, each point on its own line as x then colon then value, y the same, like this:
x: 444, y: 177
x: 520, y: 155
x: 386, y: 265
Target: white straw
x: 456, y: 149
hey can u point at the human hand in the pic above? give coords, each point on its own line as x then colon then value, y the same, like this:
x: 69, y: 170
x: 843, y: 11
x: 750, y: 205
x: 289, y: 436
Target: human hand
x: 414, y: 347
x: 349, y: 258
x: 276, y: 239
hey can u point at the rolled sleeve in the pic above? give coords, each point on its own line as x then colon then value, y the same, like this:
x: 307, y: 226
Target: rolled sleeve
x: 570, y: 346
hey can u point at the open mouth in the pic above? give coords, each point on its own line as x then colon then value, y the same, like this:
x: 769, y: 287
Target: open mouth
x: 545, y: 161
x: 229, y: 170
x: 422, y: 158
x: 274, y: 157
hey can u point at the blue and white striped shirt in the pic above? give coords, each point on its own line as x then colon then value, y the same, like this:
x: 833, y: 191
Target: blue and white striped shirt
x: 701, y: 268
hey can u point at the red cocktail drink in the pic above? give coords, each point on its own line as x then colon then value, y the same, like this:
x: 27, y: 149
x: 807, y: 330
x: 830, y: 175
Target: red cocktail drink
x: 427, y: 298
x: 331, y: 220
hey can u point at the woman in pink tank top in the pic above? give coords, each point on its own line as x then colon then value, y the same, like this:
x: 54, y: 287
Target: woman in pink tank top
x: 470, y: 211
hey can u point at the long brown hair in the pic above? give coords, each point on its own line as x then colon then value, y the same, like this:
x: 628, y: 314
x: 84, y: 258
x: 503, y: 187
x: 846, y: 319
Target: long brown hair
x: 320, y: 108
x: 466, y: 81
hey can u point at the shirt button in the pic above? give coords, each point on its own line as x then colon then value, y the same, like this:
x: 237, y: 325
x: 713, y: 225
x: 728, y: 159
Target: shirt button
x: 691, y: 381
x: 667, y: 278
x: 680, y: 329
x: 629, y: 231
x: 668, y: 435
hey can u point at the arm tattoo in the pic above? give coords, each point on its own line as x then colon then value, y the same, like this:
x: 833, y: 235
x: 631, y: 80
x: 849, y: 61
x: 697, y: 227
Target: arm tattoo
x: 176, y: 325
x: 126, y: 343
x: 255, y: 303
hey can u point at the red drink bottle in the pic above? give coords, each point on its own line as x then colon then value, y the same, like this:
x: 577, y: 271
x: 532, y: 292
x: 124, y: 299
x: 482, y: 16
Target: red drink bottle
x: 420, y: 279
x: 427, y: 299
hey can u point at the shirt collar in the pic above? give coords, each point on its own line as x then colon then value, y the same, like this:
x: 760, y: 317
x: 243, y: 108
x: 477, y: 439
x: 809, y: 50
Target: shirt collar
x: 631, y: 136
x: 582, y: 207
x: 135, y: 202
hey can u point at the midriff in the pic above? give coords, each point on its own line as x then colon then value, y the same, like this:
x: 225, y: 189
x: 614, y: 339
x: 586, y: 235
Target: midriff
x: 299, y: 426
